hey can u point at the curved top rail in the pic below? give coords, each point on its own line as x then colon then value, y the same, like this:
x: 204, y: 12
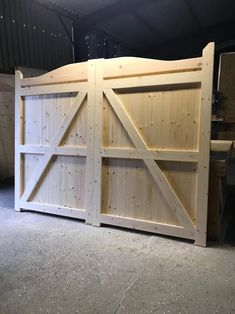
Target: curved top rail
x: 131, y: 66
x: 75, y: 72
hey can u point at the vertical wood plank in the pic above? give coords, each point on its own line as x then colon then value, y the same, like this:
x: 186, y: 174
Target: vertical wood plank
x: 98, y: 144
x: 90, y: 139
x: 19, y: 125
x: 204, y: 145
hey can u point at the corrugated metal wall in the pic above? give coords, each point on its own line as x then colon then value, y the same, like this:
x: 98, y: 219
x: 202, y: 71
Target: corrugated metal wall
x: 32, y: 36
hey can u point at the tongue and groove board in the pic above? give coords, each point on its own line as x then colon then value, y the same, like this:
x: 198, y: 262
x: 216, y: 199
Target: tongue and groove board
x: 122, y: 142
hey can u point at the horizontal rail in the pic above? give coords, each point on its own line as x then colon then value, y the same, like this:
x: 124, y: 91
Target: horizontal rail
x: 147, y: 225
x: 51, y: 80
x: 152, y: 154
x: 54, y: 209
x: 170, y: 155
x: 55, y: 150
x: 155, y: 80
x: 75, y: 72
x: 129, y: 67
x: 52, y: 89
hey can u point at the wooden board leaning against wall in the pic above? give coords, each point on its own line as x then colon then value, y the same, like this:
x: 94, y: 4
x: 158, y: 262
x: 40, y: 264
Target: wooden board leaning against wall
x: 7, y: 104
x: 121, y: 141
x: 7, y: 98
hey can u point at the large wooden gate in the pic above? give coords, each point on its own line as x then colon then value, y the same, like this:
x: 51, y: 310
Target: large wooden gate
x: 122, y: 141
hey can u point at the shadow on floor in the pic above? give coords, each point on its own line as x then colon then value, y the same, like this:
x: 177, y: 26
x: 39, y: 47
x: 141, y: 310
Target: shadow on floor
x: 7, y: 201
x: 230, y: 216
x: 7, y: 193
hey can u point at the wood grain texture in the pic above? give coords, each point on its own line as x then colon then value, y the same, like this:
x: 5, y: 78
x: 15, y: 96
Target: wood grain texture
x: 160, y: 179
x: 131, y: 153
x: 204, y: 145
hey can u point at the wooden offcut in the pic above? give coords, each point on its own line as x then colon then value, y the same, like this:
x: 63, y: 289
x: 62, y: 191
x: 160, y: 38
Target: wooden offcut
x: 121, y: 141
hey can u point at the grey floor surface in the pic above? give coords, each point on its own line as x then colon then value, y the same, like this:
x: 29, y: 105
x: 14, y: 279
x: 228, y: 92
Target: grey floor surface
x: 56, y: 265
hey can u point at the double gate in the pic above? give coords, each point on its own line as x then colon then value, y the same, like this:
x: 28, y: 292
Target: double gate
x: 121, y: 141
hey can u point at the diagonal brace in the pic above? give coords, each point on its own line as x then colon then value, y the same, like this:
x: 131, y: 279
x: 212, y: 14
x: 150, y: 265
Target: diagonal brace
x: 43, y: 163
x: 153, y: 168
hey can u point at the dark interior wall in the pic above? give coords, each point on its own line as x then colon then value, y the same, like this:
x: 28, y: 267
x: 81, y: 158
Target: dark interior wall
x: 98, y: 44
x: 162, y: 29
x: 33, y: 36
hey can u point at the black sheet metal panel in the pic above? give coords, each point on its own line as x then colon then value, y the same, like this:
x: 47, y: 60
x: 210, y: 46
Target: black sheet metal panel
x: 32, y: 36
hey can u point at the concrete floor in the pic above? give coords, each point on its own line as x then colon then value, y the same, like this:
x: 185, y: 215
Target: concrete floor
x: 57, y: 265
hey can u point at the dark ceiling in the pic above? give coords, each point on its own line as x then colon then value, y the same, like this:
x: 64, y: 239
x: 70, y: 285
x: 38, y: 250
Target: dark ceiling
x: 147, y: 25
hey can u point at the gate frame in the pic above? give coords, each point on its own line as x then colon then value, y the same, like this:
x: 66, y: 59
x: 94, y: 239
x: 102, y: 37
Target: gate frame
x: 101, y: 81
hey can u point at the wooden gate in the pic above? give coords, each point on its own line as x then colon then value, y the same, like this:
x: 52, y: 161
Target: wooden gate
x: 121, y: 141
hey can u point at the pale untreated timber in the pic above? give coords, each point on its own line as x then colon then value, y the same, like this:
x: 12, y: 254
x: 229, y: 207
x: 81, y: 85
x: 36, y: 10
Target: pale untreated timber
x: 91, y: 100
x: 131, y: 149
x: 204, y: 145
x: 152, y: 166
x: 128, y: 67
x: 148, y: 81
x: 54, y: 150
x: 19, y: 122
x: 221, y: 145
x: 53, y: 89
x: 77, y: 72
x: 56, y: 210
x: 97, y: 179
x: 152, y: 154
x: 150, y: 227
x: 55, y: 142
